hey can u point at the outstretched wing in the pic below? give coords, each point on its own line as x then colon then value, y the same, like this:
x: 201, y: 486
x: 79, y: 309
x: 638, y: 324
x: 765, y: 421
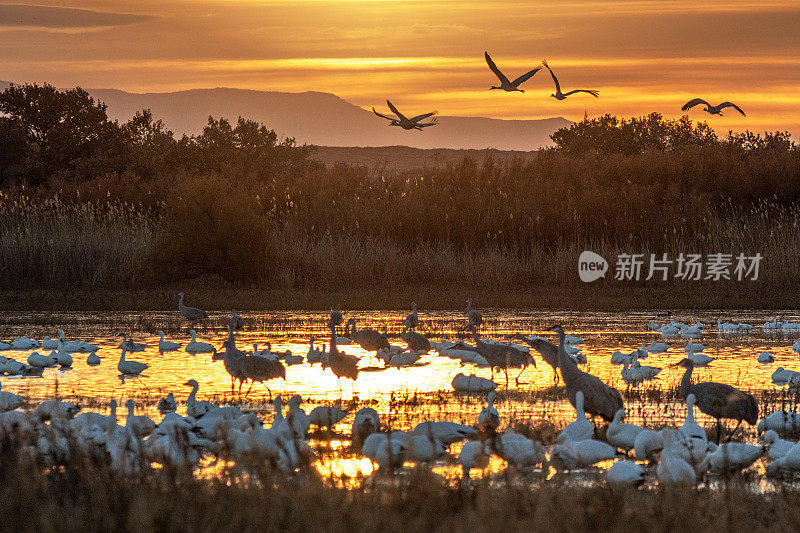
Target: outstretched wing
x: 555, y: 80
x: 590, y: 91
x: 731, y: 104
x: 525, y: 77
x: 426, y: 124
x: 420, y: 117
x: 496, y: 70
x: 395, y: 111
x: 691, y: 103
x: 382, y: 115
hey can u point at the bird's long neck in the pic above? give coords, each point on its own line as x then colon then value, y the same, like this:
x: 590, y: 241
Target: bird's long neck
x: 193, y: 394
x: 686, y: 382
x: 334, y: 350
x: 112, y: 421
x: 567, y: 365
x: 690, y: 412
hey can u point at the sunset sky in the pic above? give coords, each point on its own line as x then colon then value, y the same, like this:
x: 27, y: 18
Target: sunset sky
x: 642, y: 56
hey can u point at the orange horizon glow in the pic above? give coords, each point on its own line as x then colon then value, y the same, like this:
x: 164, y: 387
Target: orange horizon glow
x: 642, y: 56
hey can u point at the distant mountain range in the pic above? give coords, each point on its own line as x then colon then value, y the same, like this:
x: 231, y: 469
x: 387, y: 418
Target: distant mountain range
x: 323, y: 119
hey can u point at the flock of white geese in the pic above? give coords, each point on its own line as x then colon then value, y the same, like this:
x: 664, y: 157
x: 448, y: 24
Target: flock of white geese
x: 55, y: 431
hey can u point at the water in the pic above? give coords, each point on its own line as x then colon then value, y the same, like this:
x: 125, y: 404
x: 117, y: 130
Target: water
x: 403, y: 396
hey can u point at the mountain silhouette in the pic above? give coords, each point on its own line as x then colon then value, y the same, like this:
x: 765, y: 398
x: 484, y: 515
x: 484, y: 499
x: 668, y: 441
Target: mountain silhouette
x: 324, y: 119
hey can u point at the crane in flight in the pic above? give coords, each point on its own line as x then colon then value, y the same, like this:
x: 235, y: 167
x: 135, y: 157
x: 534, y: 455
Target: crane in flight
x: 711, y: 109
x: 412, y: 123
x: 558, y: 95
x: 505, y: 84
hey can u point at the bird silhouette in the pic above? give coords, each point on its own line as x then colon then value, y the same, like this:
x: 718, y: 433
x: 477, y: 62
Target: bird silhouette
x: 505, y: 84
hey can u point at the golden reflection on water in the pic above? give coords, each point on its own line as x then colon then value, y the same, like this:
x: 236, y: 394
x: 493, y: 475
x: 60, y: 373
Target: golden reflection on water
x: 402, y: 396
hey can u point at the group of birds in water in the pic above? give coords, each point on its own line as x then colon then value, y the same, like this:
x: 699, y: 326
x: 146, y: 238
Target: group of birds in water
x: 416, y: 123
x: 56, y: 429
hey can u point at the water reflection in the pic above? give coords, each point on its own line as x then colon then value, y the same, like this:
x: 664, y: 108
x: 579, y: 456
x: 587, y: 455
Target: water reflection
x: 402, y: 396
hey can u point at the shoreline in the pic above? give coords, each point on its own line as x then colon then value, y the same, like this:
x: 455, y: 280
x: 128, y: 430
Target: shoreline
x: 608, y: 298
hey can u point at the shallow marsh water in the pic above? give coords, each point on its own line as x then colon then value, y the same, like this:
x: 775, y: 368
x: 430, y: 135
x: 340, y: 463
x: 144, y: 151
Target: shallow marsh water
x: 402, y: 396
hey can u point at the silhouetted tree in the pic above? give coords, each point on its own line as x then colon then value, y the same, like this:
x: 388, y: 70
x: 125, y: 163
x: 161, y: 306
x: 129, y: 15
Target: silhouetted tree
x: 609, y: 135
x: 47, y: 132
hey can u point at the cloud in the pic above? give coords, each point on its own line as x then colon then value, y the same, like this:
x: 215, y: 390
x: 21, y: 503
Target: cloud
x: 63, y: 19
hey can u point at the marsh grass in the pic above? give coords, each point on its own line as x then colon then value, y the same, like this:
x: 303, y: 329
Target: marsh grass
x: 86, y: 495
x: 509, y: 233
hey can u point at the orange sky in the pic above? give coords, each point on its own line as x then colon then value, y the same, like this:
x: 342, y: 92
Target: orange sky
x: 642, y: 56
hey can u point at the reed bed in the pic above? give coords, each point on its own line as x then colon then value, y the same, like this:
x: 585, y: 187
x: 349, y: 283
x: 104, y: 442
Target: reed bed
x: 494, y: 229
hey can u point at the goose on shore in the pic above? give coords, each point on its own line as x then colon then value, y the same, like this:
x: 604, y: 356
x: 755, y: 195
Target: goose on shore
x: 505, y: 84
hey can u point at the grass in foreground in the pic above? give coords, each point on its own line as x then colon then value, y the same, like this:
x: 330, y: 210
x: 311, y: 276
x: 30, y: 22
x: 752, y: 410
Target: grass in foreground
x: 88, y: 496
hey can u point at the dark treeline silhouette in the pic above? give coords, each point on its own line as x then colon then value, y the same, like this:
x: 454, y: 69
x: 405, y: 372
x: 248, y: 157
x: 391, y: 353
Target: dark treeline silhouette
x: 48, y: 135
x: 228, y: 200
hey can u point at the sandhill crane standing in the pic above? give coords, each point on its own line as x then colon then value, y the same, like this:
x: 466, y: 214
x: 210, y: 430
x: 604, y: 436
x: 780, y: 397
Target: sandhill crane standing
x: 336, y: 318
x: 370, y: 340
x: 232, y: 360
x: 546, y: 349
x: 191, y: 314
x: 236, y: 322
x: 711, y: 109
x: 342, y: 364
x: 558, y: 95
x: 412, y: 123
x: 262, y: 369
x: 599, y: 399
x: 417, y: 342
x: 412, y: 319
x: 506, y: 85
x: 719, y: 400
x: 474, y: 317
x: 500, y: 355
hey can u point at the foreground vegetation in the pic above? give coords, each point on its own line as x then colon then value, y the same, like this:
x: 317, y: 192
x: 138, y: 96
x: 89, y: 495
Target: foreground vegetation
x: 95, y: 205
x: 87, y: 496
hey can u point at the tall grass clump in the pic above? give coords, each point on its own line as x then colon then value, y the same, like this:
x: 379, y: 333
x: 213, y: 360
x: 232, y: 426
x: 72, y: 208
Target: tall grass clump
x: 53, y: 245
